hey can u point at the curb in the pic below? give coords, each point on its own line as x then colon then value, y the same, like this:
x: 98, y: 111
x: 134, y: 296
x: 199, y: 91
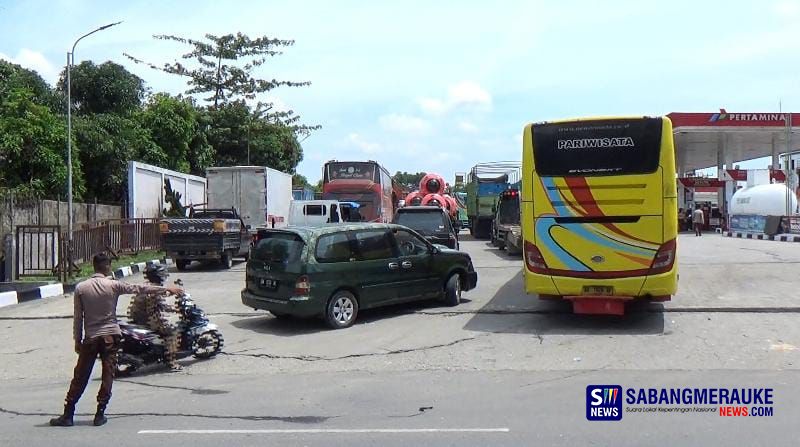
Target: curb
x: 133, y: 269
x: 58, y: 289
x: 762, y: 237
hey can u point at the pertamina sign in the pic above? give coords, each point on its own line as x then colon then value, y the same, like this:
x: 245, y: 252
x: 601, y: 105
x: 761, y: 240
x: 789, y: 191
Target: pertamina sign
x: 725, y: 119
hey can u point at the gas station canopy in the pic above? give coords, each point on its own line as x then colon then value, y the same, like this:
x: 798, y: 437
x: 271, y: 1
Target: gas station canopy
x: 704, y: 140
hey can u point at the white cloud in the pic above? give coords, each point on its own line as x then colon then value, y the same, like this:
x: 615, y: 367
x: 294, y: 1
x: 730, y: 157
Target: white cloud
x: 468, y: 93
x: 460, y: 94
x: 365, y: 146
x: 432, y: 106
x: 404, y: 123
x: 787, y: 8
x: 33, y: 60
x: 467, y: 127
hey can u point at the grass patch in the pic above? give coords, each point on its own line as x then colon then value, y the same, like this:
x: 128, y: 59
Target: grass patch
x: 124, y: 260
x: 86, y: 269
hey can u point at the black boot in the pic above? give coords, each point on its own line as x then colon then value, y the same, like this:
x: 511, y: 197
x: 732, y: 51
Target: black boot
x: 100, y: 417
x: 65, y: 420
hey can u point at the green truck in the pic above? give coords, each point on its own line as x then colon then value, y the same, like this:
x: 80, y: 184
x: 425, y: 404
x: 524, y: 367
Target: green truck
x: 485, y: 182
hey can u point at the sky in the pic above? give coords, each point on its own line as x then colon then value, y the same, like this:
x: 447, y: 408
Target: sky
x: 440, y: 86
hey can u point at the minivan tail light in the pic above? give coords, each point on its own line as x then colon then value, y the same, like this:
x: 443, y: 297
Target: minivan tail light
x: 534, y: 259
x: 665, y: 258
x: 302, y: 287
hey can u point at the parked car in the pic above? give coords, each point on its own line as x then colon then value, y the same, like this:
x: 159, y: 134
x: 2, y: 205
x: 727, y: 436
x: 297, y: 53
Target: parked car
x: 335, y: 271
x: 432, y: 222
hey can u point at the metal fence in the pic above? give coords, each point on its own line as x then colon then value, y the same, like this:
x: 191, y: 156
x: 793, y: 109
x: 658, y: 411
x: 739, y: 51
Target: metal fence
x: 46, y: 251
x: 115, y: 236
x: 37, y: 250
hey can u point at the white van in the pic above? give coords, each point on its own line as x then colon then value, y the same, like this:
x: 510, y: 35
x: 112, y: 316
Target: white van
x: 315, y: 212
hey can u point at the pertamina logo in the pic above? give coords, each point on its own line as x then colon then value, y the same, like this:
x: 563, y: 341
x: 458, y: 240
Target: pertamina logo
x: 760, y: 117
x: 604, y: 402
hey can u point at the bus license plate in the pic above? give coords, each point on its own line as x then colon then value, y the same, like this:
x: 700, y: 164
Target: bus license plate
x: 268, y: 283
x: 598, y: 290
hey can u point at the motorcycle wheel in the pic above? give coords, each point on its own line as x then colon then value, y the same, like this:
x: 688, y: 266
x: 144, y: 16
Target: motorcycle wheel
x: 207, y: 345
x: 124, y: 367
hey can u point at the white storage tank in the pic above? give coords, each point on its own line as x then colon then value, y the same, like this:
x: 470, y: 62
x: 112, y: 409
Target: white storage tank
x: 763, y: 200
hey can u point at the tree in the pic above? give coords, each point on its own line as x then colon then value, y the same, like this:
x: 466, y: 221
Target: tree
x: 408, y: 180
x: 13, y: 76
x: 300, y: 181
x: 174, y: 126
x: 107, y: 142
x: 32, y: 147
x: 104, y: 88
x: 236, y: 131
x: 215, y: 72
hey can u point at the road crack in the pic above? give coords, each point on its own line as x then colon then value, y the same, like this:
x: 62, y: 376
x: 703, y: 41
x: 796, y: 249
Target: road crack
x: 316, y: 358
x: 201, y: 391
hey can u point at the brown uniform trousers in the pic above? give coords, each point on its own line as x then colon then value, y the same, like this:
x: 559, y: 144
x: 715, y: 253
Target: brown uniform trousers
x: 105, y: 346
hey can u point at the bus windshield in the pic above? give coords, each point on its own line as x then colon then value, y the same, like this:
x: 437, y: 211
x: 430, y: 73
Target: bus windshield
x: 602, y: 147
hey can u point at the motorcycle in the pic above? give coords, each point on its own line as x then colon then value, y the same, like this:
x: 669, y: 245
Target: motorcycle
x: 198, y: 337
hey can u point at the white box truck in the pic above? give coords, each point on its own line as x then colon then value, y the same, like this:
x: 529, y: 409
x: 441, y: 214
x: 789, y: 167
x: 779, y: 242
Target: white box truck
x: 262, y: 196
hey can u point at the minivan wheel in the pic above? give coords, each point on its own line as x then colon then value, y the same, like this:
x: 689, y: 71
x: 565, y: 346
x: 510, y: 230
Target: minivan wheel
x: 452, y: 290
x: 342, y: 310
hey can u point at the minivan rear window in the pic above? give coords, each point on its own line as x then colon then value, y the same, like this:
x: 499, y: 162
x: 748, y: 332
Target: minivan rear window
x: 334, y: 247
x: 279, y: 247
x: 596, y: 148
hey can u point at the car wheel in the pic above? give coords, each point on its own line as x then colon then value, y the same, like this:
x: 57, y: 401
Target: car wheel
x: 226, y: 261
x: 342, y: 310
x: 452, y: 290
x: 182, y: 264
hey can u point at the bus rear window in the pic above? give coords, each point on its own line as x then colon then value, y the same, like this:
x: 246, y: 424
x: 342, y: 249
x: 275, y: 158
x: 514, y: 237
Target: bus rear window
x: 596, y: 148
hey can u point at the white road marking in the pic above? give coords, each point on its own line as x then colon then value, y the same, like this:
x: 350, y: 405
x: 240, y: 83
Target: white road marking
x: 325, y: 430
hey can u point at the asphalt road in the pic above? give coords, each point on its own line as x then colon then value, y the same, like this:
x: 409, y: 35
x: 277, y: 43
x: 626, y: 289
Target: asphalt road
x: 501, y: 369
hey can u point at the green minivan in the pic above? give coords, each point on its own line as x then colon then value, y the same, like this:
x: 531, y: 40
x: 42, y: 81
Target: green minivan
x: 335, y: 271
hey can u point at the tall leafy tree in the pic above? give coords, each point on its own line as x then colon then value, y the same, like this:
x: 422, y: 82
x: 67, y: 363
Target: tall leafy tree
x: 13, y: 76
x: 174, y: 125
x: 107, y: 142
x: 222, y: 68
x: 409, y: 180
x: 32, y: 147
x: 236, y: 131
x: 104, y: 88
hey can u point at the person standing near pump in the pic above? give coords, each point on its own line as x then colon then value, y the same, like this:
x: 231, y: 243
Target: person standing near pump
x: 97, y: 333
x: 698, y: 220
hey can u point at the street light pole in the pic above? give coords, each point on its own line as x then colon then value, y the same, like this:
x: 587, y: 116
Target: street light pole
x: 70, y: 59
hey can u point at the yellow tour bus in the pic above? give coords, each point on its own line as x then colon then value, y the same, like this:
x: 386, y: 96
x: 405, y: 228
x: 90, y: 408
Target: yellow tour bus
x: 599, y: 211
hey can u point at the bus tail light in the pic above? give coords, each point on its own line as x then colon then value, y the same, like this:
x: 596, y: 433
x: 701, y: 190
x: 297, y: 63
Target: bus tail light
x: 534, y: 259
x: 665, y: 258
x: 302, y: 287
